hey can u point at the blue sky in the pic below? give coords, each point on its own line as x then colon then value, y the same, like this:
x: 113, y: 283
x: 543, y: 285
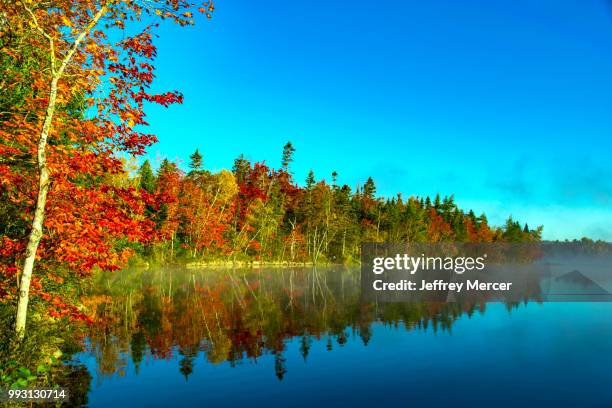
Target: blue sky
x: 506, y: 104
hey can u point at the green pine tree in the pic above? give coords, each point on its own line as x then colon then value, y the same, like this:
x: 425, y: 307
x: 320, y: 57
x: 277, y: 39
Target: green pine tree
x: 196, y: 161
x: 369, y: 188
x: 146, y: 177
x: 310, y: 180
x: 288, y: 151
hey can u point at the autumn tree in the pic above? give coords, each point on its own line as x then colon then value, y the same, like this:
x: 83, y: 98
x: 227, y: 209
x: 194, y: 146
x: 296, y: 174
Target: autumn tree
x: 167, y: 195
x: 206, y: 207
x: 59, y: 135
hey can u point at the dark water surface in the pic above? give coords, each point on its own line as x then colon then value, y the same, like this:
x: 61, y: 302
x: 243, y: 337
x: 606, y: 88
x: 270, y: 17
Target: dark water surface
x: 301, y: 337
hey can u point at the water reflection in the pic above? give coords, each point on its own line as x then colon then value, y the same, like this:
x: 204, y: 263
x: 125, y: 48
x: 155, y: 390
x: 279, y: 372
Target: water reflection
x: 233, y: 315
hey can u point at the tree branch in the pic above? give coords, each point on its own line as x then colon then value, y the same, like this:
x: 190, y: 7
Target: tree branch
x: 81, y: 36
x: 44, y: 34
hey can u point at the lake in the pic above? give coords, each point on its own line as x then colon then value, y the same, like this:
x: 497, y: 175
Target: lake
x: 303, y: 337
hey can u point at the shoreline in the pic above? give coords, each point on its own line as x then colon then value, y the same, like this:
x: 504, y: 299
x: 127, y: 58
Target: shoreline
x: 254, y: 264
x: 138, y: 262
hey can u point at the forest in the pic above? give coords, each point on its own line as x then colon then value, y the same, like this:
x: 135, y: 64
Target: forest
x: 258, y: 213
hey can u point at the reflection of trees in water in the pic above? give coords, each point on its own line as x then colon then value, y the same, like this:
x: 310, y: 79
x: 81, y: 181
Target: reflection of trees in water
x: 237, y: 314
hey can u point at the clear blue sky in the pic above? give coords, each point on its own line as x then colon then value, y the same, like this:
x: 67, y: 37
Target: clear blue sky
x: 506, y: 104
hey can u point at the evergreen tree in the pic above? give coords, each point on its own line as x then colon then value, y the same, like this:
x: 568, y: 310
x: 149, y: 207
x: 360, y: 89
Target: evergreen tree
x: 369, y: 188
x: 146, y: 177
x: 241, y: 168
x: 288, y: 151
x: 472, y: 216
x: 512, y: 230
x: 195, y: 163
x: 310, y: 180
x: 164, y: 167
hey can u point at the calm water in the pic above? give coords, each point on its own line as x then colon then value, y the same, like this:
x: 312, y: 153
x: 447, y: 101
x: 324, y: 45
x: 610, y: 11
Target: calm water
x: 301, y: 337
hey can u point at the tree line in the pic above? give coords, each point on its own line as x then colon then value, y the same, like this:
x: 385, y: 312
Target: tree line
x: 258, y: 213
